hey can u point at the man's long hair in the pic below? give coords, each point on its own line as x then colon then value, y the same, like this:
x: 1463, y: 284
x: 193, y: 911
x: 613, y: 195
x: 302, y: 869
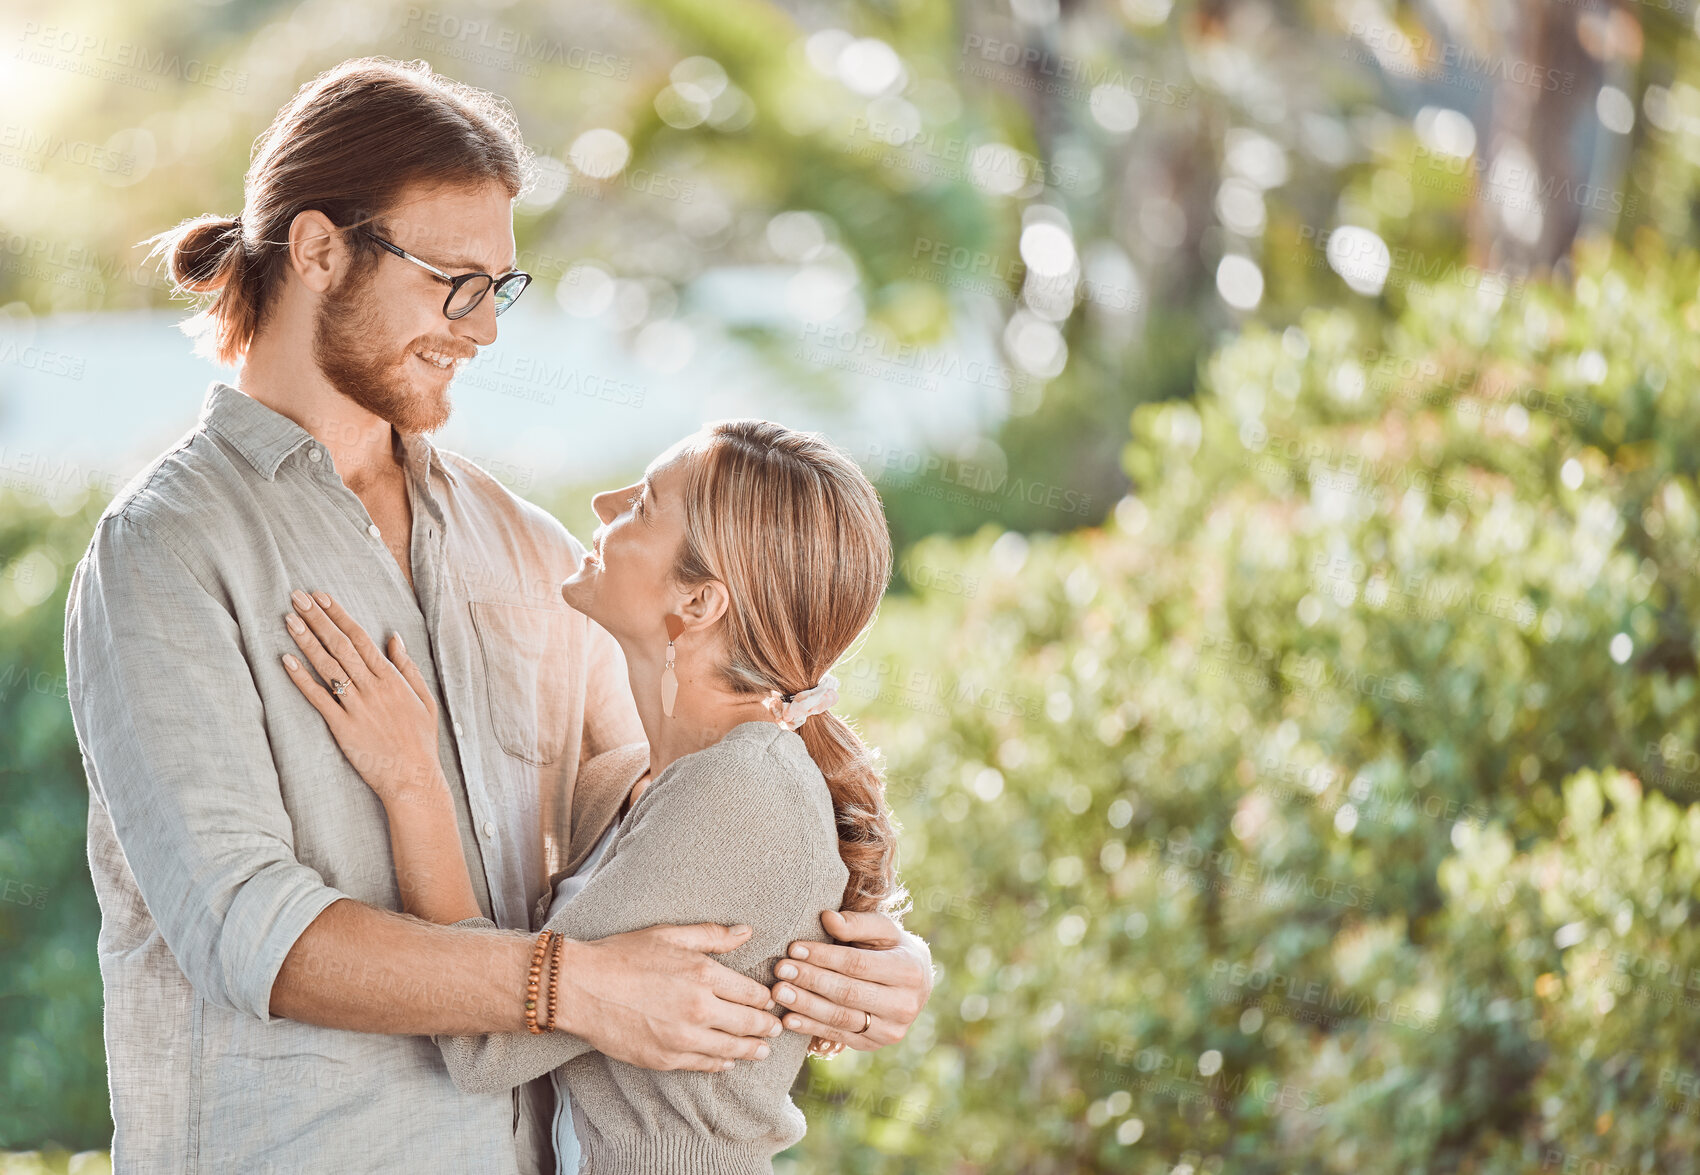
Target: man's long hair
x: 348, y: 144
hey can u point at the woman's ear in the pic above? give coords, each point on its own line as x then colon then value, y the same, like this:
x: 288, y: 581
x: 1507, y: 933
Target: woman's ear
x: 706, y: 604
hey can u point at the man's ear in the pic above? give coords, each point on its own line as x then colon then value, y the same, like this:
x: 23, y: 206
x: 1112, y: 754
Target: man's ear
x: 704, y: 607
x: 317, y: 253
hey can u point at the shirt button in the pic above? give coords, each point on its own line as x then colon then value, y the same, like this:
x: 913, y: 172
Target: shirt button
x: 373, y: 530
x: 457, y: 730
x: 489, y: 828
x: 314, y: 454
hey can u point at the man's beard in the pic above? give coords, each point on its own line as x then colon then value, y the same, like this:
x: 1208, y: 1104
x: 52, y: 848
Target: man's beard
x: 343, y: 335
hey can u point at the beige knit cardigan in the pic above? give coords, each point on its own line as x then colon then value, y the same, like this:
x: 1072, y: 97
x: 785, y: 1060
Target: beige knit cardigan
x: 740, y: 832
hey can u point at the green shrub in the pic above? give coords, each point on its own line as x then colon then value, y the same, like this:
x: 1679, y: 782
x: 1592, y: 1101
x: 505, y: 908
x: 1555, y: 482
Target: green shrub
x: 1252, y: 804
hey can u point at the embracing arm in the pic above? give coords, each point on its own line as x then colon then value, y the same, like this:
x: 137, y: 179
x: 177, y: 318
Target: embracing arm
x: 430, y: 864
x: 652, y: 997
x: 371, y: 970
x: 387, y: 726
x: 690, y: 853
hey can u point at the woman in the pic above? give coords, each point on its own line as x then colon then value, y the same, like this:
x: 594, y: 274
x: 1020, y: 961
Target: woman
x: 733, y: 576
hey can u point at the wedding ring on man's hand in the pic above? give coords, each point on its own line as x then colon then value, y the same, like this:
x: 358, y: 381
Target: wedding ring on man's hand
x: 339, y: 687
x: 868, y: 1021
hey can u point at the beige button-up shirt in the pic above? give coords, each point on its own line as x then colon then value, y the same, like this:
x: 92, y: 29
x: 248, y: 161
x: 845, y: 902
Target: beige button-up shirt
x: 223, y: 818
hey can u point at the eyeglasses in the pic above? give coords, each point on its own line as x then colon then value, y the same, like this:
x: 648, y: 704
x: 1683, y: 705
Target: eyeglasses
x: 466, y: 290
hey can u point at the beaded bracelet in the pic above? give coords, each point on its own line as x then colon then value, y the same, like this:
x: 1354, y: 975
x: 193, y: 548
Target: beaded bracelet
x: 554, y: 979
x: 535, y: 973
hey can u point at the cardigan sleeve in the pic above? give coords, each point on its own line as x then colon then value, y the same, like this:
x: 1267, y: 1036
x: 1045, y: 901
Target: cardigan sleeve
x: 720, y: 840
x: 499, y: 1061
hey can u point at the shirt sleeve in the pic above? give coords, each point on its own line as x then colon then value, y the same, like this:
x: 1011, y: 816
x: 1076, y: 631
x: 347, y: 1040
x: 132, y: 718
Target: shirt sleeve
x: 173, y: 734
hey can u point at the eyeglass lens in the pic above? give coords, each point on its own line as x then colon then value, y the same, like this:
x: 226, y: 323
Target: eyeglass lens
x: 467, y: 295
x: 470, y: 293
x: 509, y: 289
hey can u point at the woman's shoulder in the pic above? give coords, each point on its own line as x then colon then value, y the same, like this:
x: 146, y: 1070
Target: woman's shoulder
x: 726, y: 816
x: 777, y: 755
x: 786, y: 747
x: 754, y: 763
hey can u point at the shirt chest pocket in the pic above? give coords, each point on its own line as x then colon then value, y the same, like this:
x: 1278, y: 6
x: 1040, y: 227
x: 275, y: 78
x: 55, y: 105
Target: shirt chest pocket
x: 528, y: 671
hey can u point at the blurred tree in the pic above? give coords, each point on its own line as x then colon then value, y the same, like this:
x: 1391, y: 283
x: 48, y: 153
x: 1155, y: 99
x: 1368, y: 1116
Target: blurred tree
x: 51, y: 1051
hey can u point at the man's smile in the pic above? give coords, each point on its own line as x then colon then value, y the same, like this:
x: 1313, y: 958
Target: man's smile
x: 443, y: 360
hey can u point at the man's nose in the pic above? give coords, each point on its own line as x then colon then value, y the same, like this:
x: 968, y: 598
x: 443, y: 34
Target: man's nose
x: 479, y: 326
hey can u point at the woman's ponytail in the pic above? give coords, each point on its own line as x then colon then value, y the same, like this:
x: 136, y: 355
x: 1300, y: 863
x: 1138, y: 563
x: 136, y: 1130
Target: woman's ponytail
x: 867, y: 833
x: 795, y: 531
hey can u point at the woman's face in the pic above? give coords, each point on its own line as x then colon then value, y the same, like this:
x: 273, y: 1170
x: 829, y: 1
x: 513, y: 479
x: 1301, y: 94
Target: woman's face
x: 624, y: 582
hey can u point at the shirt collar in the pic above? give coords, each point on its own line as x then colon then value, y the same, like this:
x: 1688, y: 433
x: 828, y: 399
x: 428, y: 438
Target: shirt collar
x: 266, y: 437
x: 424, y: 454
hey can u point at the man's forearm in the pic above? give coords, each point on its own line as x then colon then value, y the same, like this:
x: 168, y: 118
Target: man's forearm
x: 370, y: 970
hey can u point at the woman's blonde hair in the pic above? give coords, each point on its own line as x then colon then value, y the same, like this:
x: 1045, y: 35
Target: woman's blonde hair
x: 794, y: 530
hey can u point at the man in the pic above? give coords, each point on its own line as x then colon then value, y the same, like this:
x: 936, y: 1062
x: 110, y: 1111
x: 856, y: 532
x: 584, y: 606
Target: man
x: 266, y: 1006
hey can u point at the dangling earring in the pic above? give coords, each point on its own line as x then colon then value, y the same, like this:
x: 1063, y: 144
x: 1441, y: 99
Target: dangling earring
x: 669, y: 679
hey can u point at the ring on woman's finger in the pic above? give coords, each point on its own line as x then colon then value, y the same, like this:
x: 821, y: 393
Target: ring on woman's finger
x: 339, y: 687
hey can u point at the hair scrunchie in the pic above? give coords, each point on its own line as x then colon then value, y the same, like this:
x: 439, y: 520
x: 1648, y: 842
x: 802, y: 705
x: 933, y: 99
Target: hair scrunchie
x: 792, y: 712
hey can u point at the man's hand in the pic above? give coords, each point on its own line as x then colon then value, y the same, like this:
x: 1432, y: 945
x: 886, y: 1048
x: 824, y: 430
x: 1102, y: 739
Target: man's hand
x: 865, y: 996
x: 653, y: 998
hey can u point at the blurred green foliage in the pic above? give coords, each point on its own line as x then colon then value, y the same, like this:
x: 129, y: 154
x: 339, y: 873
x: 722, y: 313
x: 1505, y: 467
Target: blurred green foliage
x: 1330, y: 809
x: 52, y: 1057
x: 1323, y: 804
x: 55, y: 1162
